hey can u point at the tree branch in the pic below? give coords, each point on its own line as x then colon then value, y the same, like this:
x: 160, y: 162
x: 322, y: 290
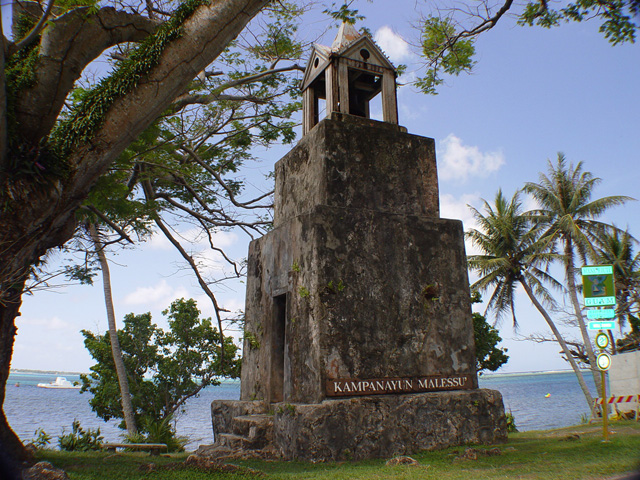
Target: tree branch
x: 487, y: 23
x: 185, y: 100
x: 227, y: 222
x: 222, y: 183
x: 112, y: 225
x: 150, y: 195
x: 33, y: 33
x: 68, y: 44
x: 50, y: 212
x: 219, y: 250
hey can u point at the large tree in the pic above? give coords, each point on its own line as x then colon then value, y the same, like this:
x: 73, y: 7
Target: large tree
x: 571, y: 216
x: 515, y: 252
x: 48, y: 161
x: 617, y: 248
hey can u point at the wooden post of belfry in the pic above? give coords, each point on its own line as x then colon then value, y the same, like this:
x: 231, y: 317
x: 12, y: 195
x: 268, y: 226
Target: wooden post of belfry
x: 389, y: 100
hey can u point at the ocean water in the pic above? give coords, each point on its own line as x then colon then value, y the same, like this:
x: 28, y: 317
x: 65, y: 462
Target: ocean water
x: 538, y: 401
x: 542, y: 400
x: 28, y: 408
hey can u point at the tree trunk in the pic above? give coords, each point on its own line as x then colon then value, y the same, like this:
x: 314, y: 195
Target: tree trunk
x: 563, y: 344
x: 121, y: 371
x: 3, y: 106
x: 39, y: 216
x: 571, y: 284
x: 12, y: 451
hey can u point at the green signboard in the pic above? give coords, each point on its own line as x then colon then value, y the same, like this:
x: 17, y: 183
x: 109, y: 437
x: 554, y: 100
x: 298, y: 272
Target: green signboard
x: 599, y: 301
x: 597, y: 286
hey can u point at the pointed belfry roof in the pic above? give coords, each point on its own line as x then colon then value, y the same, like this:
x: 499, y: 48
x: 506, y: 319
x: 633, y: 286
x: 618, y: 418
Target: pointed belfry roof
x: 346, y: 34
x: 348, y: 42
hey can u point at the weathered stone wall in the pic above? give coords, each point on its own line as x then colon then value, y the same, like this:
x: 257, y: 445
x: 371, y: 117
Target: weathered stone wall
x: 357, y: 163
x: 384, y: 426
x: 403, y: 308
x: 363, y: 427
x: 274, y: 269
x: 370, y: 295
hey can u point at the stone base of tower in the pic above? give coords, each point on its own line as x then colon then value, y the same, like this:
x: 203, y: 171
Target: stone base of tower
x: 359, y: 427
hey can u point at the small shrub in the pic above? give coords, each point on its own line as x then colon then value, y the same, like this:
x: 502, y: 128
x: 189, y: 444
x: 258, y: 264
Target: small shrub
x: 135, y: 438
x: 79, y: 440
x: 304, y: 292
x: 254, y: 344
x: 161, y: 431
x: 511, y: 423
x: 42, y: 439
x: 287, y: 409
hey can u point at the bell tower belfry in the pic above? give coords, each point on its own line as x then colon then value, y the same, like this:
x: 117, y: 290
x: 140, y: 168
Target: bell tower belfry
x: 358, y: 335
x: 347, y: 76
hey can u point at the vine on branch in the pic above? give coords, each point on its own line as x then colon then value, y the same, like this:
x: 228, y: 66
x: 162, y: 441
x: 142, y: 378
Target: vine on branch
x: 91, y: 112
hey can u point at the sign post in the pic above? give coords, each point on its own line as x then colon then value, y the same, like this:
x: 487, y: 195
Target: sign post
x: 598, y: 288
x: 604, y: 362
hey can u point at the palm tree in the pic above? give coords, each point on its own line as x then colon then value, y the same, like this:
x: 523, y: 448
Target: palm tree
x: 121, y: 372
x: 516, y: 252
x: 566, y: 207
x: 616, y: 248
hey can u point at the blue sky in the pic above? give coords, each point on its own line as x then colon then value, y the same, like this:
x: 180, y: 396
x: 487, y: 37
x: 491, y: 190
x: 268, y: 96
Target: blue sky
x: 533, y: 93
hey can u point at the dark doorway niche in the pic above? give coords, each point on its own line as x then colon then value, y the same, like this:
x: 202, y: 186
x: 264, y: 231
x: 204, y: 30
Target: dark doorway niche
x: 278, y: 345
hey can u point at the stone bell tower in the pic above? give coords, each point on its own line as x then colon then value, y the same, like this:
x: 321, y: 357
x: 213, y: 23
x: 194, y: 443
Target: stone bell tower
x: 358, y: 333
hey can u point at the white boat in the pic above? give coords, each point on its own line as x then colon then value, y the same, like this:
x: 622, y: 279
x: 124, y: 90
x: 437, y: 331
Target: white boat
x: 60, y: 382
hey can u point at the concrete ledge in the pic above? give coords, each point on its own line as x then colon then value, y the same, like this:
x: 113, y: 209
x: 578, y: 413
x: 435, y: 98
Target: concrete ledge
x: 385, y: 426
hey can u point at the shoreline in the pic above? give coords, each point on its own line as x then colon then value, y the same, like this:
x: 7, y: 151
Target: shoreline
x: 44, y: 372
x: 483, y: 374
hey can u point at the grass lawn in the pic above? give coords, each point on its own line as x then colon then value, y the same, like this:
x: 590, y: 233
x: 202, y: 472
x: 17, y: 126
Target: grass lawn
x: 568, y: 453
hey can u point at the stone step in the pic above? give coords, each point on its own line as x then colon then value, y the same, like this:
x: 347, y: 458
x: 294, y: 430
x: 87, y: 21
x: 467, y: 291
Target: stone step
x: 224, y: 411
x: 231, y: 441
x: 214, y: 451
x: 219, y: 453
x: 257, y: 429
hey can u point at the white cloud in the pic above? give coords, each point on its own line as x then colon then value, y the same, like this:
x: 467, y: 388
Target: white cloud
x: 161, y: 295
x: 159, y: 242
x: 452, y: 207
x: 459, y: 162
x: 393, y: 45
x: 458, y: 208
x: 53, y: 323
